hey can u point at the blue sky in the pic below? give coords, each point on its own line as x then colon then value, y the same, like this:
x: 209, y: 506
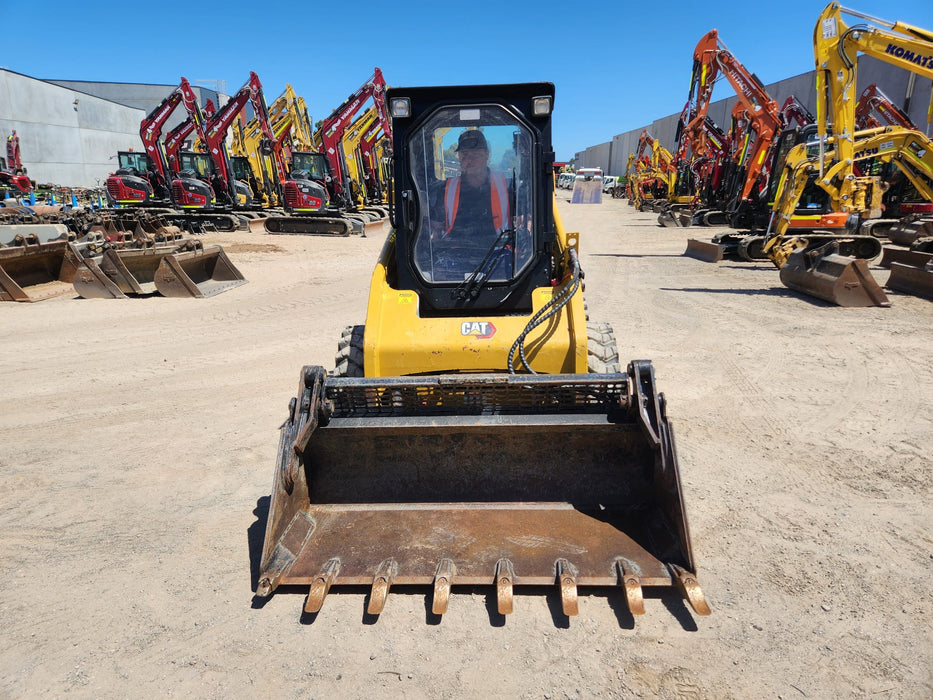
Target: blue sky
x: 616, y: 65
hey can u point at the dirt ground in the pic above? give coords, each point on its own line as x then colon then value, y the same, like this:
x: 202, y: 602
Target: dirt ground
x: 138, y: 440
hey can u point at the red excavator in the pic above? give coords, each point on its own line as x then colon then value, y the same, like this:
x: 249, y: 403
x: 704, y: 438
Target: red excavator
x: 13, y: 179
x: 333, y: 129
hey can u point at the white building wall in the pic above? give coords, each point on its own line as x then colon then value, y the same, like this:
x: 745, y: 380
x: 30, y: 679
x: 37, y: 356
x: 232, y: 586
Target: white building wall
x: 66, y: 137
x: 894, y: 82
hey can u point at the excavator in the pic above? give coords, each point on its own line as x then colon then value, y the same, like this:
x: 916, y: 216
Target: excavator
x: 373, y: 154
x: 14, y: 181
x: 297, y: 189
x: 821, y: 266
x: 184, y: 198
x: 360, y: 174
x: 900, y: 199
x: 701, y: 176
x: 332, y: 132
x: 177, y: 137
x: 651, y: 179
x: 477, y: 429
x: 761, y: 121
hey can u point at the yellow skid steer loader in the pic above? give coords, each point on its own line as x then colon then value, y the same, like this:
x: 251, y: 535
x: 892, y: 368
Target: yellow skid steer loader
x: 477, y: 430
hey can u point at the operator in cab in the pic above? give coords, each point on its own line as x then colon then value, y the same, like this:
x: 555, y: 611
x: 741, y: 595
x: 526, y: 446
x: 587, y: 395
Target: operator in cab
x: 475, y: 203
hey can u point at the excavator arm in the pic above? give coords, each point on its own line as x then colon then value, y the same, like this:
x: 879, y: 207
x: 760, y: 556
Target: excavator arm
x: 836, y: 47
x: 712, y: 59
x: 910, y: 150
x: 220, y: 124
x: 873, y: 100
x: 334, y: 127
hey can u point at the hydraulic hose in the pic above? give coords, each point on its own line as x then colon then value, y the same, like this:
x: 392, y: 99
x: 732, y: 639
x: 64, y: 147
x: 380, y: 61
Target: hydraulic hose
x: 545, y: 312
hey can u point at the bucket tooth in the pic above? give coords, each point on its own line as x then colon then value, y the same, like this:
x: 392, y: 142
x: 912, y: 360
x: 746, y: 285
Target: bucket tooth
x: 634, y: 596
x: 505, y: 577
x: 382, y: 581
x: 690, y: 588
x: 321, y: 585
x: 567, y: 579
x: 443, y: 579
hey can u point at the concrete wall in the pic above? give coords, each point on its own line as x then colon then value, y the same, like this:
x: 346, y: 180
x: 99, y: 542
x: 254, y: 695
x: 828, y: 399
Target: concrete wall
x: 894, y: 82
x: 143, y: 97
x: 66, y: 137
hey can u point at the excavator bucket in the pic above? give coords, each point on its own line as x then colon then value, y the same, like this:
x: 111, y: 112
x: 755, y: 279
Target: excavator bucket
x: 825, y: 274
x: 120, y: 272
x: 30, y: 234
x: 913, y: 277
x: 904, y: 256
x: 703, y: 250
x: 204, y: 272
x: 674, y: 218
x: 37, y: 272
x: 500, y: 480
x: 907, y: 230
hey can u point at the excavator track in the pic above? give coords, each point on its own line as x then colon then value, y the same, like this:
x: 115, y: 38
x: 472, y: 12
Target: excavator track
x: 309, y: 225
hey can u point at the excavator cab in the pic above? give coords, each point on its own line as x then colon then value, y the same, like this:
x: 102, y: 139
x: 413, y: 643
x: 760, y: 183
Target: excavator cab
x: 305, y: 187
x: 134, y: 181
x: 478, y: 429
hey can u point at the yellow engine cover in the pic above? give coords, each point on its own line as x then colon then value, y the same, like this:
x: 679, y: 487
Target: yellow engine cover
x: 398, y: 342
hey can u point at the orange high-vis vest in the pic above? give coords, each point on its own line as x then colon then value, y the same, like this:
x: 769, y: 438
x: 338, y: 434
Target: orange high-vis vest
x: 498, y: 193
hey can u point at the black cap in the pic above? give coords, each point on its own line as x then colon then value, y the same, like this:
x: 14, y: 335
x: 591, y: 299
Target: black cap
x: 472, y: 139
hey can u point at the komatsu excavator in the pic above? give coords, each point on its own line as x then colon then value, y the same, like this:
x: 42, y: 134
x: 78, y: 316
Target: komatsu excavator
x: 478, y: 429
x: 820, y: 265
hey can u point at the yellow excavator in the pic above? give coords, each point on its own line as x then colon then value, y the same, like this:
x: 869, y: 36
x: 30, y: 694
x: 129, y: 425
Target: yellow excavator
x: 478, y: 429
x: 820, y: 265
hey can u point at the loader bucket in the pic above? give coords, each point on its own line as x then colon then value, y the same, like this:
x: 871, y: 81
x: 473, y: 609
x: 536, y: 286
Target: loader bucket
x: 37, y: 272
x: 199, y: 273
x: 499, y: 480
x: 913, y: 279
x: 825, y: 274
x: 703, y: 250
